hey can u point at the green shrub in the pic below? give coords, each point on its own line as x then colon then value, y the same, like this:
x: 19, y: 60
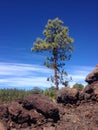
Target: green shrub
x: 51, y: 92
x: 78, y: 86
x: 12, y: 94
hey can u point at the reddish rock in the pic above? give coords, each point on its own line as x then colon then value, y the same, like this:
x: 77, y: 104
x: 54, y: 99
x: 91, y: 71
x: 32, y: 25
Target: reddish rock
x: 92, y: 77
x: 67, y: 95
x: 81, y: 96
x: 75, y: 117
x: 92, y: 89
x: 2, y: 127
x: 42, y: 104
x: 38, y: 112
x: 34, y: 116
x: 14, y: 108
x: 3, y: 111
x: 34, y: 109
x: 90, y: 93
x: 28, y: 117
x: 23, y: 117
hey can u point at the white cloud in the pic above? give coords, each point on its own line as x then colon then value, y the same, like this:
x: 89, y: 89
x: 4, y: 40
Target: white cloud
x: 27, y: 75
x: 79, y: 73
x: 26, y: 83
x: 23, y: 75
x: 23, y: 69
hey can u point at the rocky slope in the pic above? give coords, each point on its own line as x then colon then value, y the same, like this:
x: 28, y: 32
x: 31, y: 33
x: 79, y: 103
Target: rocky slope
x: 72, y: 110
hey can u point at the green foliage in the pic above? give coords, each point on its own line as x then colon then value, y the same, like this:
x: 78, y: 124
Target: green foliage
x: 12, y: 94
x: 66, y: 83
x: 7, y: 95
x: 56, y: 36
x: 59, y: 44
x: 51, y: 92
x: 78, y: 86
x: 36, y: 90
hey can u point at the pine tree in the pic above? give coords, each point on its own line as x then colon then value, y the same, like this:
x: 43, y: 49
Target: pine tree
x: 59, y: 44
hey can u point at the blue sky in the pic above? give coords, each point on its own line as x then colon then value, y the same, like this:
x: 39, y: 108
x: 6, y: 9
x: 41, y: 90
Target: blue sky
x: 22, y: 21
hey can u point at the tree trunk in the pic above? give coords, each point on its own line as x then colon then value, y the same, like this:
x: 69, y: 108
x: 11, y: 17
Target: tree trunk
x: 55, y: 69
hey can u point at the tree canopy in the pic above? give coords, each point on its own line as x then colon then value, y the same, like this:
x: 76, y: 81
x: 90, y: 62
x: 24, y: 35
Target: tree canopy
x: 78, y: 86
x: 59, y: 44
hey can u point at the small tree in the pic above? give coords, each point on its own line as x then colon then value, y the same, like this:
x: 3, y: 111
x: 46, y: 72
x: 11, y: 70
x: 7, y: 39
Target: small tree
x: 50, y: 92
x: 58, y: 43
x: 78, y: 86
x: 36, y: 90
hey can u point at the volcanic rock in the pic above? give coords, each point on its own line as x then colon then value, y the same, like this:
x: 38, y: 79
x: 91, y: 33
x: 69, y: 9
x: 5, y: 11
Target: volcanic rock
x: 73, y: 110
x: 92, y: 89
x: 42, y: 104
x: 90, y: 93
x: 3, y: 111
x: 14, y: 108
x: 67, y: 95
x: 2, y: 127
x: 92, y: 77
x: 32, y: 110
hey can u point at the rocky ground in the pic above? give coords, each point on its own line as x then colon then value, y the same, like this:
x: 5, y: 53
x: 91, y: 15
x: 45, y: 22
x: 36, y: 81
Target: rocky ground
x: 72, y: 110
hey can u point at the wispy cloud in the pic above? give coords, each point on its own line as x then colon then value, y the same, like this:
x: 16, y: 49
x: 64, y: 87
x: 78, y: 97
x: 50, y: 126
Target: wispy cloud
x: 20, y: 69
x: 79, y: 73
x: 23, y: 75
x: 27, y: 76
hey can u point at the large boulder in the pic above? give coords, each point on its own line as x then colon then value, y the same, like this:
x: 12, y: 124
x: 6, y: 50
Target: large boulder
x: 14, y: 108
x: 92, y: 77
x: 67, y: 95
x: 92, y: 89
x: 14, y: 115
x: 32, y: 110
x: 3, y: 111
x: 42, y: 104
